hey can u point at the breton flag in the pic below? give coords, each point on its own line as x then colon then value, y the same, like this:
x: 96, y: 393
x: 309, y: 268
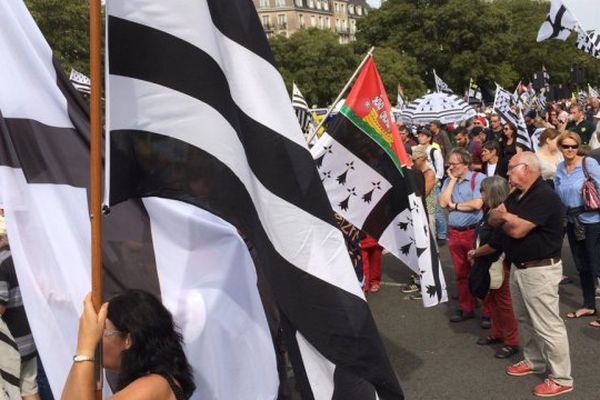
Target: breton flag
x: 10, y: 365
x: 362, y: 164
x: 80, y: 81
x: 502, y: 103
x: 558, y: 23
x: 588, y: 42
x: 215, y: 131
x: 523, y: 138
x: 440, y: 85
x: 474, y: 95
x: 301, y: 108
x: 400, y: 99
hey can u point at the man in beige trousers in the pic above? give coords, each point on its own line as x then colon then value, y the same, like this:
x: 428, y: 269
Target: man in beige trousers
x: 532, y: 221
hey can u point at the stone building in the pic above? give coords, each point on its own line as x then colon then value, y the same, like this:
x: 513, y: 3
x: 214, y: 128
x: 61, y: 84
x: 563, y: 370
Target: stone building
x: 285, y: 17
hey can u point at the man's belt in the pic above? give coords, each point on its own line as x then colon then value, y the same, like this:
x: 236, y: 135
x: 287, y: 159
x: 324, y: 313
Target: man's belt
x: 544, y: 262
x: 463, y: 228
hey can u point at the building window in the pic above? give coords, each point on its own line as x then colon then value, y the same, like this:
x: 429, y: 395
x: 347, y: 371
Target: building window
x: 264, y: 3
x: 299, y: 3
x: 311, y: 3
x: 328, y: 23
x: 350, y: 9
x: 301, y: 20
x: 326, y: 5
x: 359, y: 10
x: 266, y: 21
x: 342, y: 8
x: 282, y: 21
x: 280, y: 3
x: 313, y: 21
x: 318, y: 4
x: 337, y: 7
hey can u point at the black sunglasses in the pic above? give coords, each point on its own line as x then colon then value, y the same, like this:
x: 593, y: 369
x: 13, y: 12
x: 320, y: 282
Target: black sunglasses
x: 569, y: 146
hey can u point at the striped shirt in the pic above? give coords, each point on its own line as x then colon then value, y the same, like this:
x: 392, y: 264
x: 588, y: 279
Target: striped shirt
x: 14, y: 316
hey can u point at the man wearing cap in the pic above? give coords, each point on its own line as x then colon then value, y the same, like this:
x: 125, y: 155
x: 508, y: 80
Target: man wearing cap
x: 462, y: 197
x: 580, y: 125
x: 532, y: 220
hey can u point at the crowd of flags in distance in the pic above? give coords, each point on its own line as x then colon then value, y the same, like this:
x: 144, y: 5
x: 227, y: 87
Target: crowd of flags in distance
x: 560, y: 23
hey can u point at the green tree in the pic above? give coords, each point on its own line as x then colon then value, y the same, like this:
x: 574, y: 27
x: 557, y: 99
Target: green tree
x: 316, y: 61
x: 64, y: 23
x: 462, y: 39
x: 394, y: 69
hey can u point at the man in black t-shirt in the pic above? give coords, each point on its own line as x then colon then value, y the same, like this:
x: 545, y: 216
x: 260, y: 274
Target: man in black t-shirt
x: 532, y: 221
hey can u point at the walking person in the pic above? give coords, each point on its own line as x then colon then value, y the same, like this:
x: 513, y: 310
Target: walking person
x: 583, y: 227
x: 532, y: 220
x: 462, y: 197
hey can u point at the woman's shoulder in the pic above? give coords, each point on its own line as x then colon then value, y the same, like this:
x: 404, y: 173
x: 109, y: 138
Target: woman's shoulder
x: 148, y: 387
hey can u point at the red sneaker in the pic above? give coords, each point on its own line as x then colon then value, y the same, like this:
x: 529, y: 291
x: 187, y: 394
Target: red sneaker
x: 549, y: 388
x: 520, y: 369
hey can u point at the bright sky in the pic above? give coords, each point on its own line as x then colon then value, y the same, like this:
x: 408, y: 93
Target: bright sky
x: 586, y: 11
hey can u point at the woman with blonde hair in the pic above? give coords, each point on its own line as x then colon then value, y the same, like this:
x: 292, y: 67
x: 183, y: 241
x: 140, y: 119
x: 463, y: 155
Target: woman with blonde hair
x: 583, y: 226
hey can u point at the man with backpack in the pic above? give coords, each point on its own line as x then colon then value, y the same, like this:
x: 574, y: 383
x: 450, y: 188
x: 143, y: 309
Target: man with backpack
x: 461, y: 196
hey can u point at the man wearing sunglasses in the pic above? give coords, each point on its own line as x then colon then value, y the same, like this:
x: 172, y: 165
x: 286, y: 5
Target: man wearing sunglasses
x: 532, y: 219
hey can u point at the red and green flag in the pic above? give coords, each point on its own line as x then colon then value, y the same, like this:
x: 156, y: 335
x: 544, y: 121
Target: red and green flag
x: 369, y: 108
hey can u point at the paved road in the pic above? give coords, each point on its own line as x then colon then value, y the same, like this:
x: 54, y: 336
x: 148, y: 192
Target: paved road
x: 435, y: 359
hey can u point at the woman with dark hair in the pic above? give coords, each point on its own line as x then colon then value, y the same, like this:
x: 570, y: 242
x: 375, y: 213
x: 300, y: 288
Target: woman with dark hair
x: 139, y: 342
x: 508, y: 142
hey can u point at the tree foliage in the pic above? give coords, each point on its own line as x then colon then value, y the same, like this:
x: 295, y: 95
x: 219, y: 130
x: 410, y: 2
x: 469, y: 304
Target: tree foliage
x: 64, y: 23
x: 321, y: 66
x: 489, y: 41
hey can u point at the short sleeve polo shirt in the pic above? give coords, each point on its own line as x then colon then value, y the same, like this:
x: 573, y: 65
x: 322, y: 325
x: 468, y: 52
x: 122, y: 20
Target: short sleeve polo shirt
x: 541, y: 206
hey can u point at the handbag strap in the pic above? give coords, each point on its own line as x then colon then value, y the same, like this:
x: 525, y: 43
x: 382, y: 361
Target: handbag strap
x: 585, y: 170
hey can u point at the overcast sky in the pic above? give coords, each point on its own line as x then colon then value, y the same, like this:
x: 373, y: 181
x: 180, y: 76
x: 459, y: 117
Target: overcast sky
x: 586, y: 11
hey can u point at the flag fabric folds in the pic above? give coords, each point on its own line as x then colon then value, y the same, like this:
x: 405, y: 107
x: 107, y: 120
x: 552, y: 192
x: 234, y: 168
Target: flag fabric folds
x: 440, y: 85
x: 558, y: 23
x: 447, y: 108
x: 588, y: 42
x: 362, y: 164
x: 80, y: 81
x: 216, y: 131
x: 400, y: 99
x: 502, y: 105
x: 592, y: 92
x: 474, y: 95
x: 301, y: 108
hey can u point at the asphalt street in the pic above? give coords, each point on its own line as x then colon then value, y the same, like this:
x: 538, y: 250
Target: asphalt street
x: 436, y: 359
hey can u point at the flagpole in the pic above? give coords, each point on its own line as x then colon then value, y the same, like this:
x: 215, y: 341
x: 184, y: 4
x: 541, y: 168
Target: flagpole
x: 96, y: 169
x: 314, y: 132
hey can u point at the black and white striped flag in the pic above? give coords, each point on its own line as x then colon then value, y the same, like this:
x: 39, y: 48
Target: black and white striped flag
x: 588, y: 42
x: 215, y: 130
x: 440, y: 85
x: 80, y: 81
x: 301, y: 108
x: 523, y: 138
x: 502, y: 102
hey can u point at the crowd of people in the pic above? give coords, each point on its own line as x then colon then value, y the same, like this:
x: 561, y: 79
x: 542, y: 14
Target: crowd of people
x: 504, y: 210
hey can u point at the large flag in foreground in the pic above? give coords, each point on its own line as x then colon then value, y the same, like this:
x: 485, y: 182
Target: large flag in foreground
x: 199, y: 114
x: 362, y: 163
x: 44, y: 164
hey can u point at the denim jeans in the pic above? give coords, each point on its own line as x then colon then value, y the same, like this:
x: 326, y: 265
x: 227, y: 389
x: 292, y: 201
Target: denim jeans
x: 441, y: 219
x: 586, y: 254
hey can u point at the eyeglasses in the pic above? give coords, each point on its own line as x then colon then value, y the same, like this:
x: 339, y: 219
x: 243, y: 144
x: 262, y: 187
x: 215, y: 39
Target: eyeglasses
x: 511, y: 167
x: 113, y: 332
x: 506, y: 129
x: 569, y: 146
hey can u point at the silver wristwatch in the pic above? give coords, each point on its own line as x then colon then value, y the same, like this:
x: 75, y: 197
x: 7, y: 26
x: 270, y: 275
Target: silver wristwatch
x: 80, y: 358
